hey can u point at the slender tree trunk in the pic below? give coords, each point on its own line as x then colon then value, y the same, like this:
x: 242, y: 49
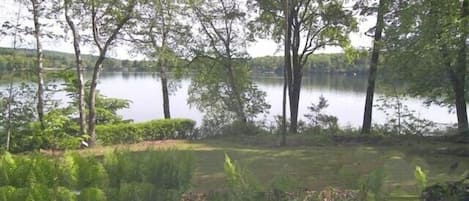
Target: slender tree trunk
x: 162, y: 65
x: 370, y: 90
x: 164, y: 87
x: 164, y: 78
x: 39, y: 62
x: 8, y: 123
x: 295, y: 96
x: 11, y: 96
x: 460, y: 88
x: 92, y: 100
x: 287, y: 65
x: 79, y: 70
x: 295, y: 82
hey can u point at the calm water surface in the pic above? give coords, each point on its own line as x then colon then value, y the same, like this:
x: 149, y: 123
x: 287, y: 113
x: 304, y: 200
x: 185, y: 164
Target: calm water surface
x: 345, y: 95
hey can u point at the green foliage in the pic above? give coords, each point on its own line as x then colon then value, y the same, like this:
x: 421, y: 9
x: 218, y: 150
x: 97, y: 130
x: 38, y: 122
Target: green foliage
x: 283, y: 182
x: 155, y: 175
x: 400, y: 119
x: 91, y: 173
x: 60, y: 131
x: 92, y: 194
x: 127, y: 133
x: 17, y: 109
x: 420, y: 177
x: 221, y: 100
x: 240, y: 185
x: 106, y: 107
x: 433, y: 30
x: 150, y: 175
x: 371, y: 187
x: 318, y: 120
x: 234, y: 178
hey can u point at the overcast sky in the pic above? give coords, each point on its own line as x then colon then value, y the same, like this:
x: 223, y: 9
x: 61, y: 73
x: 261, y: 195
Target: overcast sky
x: 260, y: 48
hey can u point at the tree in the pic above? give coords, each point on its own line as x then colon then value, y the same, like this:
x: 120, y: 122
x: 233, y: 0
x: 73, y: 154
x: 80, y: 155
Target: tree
x: 107, y: 20
x: 287, y: 65
x: 370, y: 90
x: 314, y: 24
x: 161, y: 35
x: 16, y: 113
x: 437, y: 31
x: 223, y: 89
x: 37, y: 12
x: 69, y: 10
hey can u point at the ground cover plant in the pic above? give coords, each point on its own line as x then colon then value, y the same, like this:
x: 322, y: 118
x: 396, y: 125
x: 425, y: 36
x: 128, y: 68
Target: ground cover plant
x: 118, y: 175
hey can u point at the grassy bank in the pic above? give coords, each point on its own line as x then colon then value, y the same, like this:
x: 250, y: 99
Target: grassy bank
x: 319, y: 162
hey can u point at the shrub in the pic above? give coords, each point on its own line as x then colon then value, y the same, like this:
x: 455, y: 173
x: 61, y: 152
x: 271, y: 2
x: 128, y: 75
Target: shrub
x: 127, y: 133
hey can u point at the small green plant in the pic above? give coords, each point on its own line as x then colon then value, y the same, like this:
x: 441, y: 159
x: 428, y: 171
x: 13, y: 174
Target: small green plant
x: 420, y: 177
x: 241, y: 187
x: 371, y: 187
x: 318, y: 120
x: 234, y: 177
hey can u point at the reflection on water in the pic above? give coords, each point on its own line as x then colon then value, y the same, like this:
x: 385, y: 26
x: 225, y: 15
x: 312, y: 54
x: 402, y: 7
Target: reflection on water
x: 346, y: 83
x: 345, y: 95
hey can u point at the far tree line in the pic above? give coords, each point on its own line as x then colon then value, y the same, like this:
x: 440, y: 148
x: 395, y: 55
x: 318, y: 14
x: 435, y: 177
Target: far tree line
x: 23, y: 60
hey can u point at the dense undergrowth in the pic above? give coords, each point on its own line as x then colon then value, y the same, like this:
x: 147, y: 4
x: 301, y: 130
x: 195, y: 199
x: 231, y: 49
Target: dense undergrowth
x: 119, y: 175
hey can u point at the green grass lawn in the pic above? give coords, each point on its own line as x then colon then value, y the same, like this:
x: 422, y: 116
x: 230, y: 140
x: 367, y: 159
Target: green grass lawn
x: 318, y: 164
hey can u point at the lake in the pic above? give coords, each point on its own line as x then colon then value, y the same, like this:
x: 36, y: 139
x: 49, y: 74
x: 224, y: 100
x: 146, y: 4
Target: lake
x: 344, y: 93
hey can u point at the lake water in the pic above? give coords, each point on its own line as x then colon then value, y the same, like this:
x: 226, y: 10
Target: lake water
x: 345, y: 95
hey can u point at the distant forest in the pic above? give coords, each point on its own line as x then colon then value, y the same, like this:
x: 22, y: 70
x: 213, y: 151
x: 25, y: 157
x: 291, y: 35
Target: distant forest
x: 322, y: 63
x: 23, y: 59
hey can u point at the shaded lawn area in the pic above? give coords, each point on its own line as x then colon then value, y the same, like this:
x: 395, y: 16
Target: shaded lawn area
x: 319, y: 165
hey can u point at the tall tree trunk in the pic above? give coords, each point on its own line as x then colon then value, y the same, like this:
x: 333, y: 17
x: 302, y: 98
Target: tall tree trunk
x: 295, y: 82
x: 39, y: 62
x: 370, y: 90
x: 164, y: 87
x: 287, y: 65
x: 235, y: 93
x: 92, y: 100
x: 459, y: 83
x: 162, y: 62
x: 461, y: 110
x: 79, y: 70
x: 457, y: 73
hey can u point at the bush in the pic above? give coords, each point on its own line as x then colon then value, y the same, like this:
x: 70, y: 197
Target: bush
x: 127, y: 133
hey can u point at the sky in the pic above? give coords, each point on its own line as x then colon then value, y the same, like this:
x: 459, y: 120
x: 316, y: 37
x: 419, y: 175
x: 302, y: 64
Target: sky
x: 262, y: 47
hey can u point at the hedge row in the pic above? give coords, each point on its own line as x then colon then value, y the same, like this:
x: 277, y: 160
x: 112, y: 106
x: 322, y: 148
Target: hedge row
x: 127, y: 133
